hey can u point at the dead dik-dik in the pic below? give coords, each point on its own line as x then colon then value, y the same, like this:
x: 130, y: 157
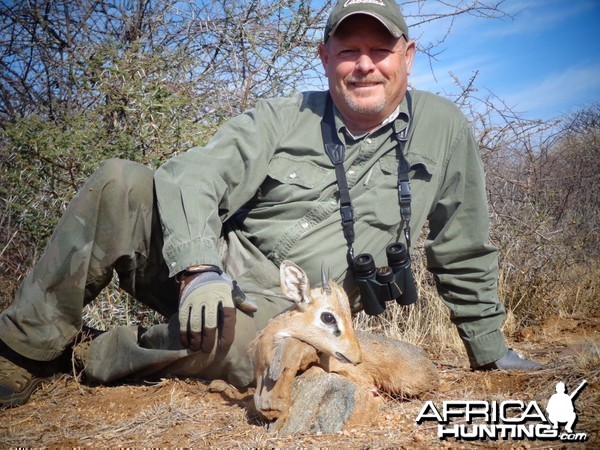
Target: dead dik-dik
x: 318, y: 332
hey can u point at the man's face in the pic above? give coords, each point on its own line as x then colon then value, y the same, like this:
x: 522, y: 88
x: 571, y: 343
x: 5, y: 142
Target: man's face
x: 367, y: 70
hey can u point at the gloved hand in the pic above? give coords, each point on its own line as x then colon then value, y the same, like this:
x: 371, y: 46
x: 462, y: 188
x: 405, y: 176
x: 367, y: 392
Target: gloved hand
x: 205, y: 308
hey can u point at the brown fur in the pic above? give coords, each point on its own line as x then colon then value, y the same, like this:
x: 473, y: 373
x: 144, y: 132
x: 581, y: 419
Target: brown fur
x: 299, y: 338
x: 392, y: 366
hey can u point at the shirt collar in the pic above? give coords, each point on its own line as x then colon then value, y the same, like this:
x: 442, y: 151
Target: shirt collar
x: 399, y: 117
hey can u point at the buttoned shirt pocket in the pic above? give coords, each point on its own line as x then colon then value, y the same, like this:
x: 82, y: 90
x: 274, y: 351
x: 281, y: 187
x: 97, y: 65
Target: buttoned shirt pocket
x: 421, y: 166
x: 422, y: 170
x: 293, y: 179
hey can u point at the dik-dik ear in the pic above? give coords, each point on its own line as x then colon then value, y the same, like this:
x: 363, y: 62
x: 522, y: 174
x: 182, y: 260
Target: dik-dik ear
x: 294, y: 283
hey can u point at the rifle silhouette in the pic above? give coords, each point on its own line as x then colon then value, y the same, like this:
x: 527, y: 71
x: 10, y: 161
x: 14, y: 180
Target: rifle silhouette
x: 573, y: 394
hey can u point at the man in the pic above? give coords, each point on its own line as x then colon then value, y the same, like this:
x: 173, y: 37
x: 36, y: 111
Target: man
x: 264, y: 190
x: 560, y: 408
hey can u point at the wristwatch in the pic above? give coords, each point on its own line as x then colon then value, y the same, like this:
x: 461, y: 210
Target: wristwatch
x: 201, y: 268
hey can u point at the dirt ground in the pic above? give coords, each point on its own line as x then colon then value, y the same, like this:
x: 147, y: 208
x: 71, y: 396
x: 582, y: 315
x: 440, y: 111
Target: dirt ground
x: 185, y: 413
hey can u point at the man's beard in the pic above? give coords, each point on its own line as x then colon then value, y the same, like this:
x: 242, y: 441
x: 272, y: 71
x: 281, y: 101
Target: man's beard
x: 362, y: 108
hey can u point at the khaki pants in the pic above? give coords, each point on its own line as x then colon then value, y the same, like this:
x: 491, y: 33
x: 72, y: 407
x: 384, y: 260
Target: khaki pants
x: 112, y: 225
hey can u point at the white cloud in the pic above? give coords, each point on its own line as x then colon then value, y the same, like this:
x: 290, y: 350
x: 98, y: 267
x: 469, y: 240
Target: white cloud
x: 559, y: 92
x: 497, y: 50
x: 538, y: 16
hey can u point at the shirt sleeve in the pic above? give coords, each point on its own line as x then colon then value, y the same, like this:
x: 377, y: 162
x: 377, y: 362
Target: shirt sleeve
x: 459, y: 254
x: 201, y: 188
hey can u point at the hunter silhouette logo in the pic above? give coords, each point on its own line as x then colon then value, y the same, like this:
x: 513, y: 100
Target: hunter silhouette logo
x: 510, y: 419
x: 560, y: 407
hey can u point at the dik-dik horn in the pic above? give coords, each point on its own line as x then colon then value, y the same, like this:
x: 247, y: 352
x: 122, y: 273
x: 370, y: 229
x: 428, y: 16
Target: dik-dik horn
x: 321, y: 318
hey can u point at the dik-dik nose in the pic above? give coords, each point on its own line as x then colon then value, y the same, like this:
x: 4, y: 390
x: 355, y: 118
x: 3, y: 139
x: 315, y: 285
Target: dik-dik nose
x: 352, y: 354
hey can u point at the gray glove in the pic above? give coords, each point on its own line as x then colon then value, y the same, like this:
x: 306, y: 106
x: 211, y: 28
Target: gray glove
x: 205, y: 307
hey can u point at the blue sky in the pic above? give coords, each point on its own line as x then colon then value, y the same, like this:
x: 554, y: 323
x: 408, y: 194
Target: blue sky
x: 543, y: 60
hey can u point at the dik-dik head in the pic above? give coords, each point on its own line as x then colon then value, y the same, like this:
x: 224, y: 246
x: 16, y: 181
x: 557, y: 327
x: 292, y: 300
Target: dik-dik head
x: 322, y: 317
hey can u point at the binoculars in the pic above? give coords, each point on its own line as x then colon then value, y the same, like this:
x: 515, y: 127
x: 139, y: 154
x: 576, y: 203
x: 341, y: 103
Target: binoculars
x: 379, y: 285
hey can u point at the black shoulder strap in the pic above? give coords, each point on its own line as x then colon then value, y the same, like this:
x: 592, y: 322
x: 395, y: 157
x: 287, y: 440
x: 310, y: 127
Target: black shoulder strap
x: 404, y: 192
x: 336, y: 150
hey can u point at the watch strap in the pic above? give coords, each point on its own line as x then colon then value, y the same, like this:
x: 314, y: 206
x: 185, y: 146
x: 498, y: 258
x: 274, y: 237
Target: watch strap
x: 198, y: 269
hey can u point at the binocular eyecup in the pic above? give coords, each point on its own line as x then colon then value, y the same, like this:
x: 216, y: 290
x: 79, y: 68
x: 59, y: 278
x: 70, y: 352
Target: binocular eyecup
x: 379, y: 285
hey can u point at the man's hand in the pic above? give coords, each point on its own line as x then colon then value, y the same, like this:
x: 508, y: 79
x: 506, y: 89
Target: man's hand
x: 205, y: 308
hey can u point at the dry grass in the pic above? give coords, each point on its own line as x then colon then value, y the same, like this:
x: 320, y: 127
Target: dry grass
x: 115, y: 307
x: 560, y: 330
x: 186, y: 413
x: 425, y: 323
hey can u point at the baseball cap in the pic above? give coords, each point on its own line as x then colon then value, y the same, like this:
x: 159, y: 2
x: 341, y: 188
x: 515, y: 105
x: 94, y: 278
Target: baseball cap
x: 386, y: 11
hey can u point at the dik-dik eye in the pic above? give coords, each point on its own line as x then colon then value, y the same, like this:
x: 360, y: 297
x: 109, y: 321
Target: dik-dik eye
x: 328, y: 318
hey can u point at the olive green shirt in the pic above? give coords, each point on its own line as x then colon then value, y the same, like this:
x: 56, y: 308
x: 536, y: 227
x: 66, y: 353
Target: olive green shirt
x: 268, y: 165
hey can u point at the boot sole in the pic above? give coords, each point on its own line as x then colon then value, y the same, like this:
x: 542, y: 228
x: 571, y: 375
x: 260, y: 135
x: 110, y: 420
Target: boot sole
x: 20, y: 398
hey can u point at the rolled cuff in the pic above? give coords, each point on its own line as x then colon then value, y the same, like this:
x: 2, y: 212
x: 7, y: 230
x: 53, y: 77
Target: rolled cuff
x: 193, y: 253
x: 485, y: 349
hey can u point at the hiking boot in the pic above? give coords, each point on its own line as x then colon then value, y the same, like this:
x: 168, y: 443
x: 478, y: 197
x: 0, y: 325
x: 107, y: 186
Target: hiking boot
x: 80, y: 349
x: 17, y: 383
x: 511, y: 361
x: 80, y: 352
